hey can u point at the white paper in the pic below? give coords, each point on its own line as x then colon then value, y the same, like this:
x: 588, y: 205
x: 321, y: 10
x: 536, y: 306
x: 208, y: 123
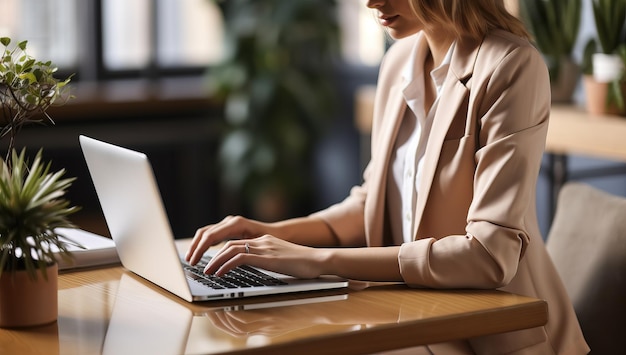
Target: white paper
x: 94, y: 249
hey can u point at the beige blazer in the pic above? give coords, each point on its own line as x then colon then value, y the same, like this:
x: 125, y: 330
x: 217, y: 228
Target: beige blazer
x: 476, y: 223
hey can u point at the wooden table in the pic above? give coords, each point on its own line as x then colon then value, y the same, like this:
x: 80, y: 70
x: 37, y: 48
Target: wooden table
x: 112, y: 311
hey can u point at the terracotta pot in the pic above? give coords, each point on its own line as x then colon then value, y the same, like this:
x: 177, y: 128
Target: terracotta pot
x: 596, y: 98
x: 25, y: 302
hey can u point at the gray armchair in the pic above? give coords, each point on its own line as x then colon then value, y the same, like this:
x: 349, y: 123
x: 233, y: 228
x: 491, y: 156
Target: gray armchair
x: 587, y: 242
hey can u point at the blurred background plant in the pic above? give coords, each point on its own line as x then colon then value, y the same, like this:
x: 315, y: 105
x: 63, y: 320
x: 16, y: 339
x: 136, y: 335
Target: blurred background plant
x: 604, y: 56
x: 276, y: 85
x: 555, y: 26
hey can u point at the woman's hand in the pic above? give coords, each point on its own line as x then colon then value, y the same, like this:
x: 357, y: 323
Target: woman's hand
x: 270, y: 253
x: 304, y: 230
x: 231, y: 227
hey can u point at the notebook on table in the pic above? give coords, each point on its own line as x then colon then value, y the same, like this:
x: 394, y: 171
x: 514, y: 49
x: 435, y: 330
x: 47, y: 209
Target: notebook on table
x: 136, y: 217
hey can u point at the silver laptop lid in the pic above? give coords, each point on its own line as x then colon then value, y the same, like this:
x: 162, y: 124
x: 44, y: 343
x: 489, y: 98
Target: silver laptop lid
x: 134, y: 212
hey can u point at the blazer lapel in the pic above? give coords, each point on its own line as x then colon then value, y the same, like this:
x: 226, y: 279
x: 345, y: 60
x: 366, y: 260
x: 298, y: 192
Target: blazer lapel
x: 454, y: 92
x: 375, y: 212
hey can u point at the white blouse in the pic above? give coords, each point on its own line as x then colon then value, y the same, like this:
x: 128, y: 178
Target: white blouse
x: 407, y: 159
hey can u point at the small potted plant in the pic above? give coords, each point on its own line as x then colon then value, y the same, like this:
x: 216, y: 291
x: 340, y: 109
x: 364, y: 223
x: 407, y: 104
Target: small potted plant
x: 555, y: 25
x: 32, y: 203
x: 604, y: 59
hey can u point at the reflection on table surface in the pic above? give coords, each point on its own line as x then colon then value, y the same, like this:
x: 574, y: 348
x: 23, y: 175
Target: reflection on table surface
x: 112, y: 311
x: 161, y: 325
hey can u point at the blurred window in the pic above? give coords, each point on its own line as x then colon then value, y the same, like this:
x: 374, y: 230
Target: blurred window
x: 50, y: 26
x: 165, y: 33
x: 363, y: 39
x: 190, y: 32
x: 126, y: 37
x: 132, y: 36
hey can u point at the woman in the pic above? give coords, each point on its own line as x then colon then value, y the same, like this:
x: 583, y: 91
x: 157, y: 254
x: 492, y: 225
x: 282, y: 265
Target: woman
x: 448, y: 198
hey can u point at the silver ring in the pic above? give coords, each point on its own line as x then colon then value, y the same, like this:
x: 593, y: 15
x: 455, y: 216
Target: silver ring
x: 247, y: 246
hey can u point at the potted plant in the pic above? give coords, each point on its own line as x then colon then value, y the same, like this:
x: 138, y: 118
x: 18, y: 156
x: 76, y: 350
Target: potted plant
x: 555, y: 25
x: 604, y: 59
x: 277, y: 93
x: 32, y: 203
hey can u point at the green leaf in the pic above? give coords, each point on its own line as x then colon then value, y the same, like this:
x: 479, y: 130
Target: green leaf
x: 29, y: 76
x: 28, y: 64
x: 587, y: 62
x: 61, y: 84
x: 615, y: 95
x: 5, y: 41
x: 22, y: 45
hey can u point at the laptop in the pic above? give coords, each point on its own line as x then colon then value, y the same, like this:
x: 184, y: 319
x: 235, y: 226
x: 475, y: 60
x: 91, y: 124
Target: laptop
x: 135, y: 215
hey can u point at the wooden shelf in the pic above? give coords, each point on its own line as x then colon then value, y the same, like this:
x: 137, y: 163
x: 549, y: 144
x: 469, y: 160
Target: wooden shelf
x: 574, y: 131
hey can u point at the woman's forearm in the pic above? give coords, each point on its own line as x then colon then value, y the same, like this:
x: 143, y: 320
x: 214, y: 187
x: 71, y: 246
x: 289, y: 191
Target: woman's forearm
x: 310, y: 231
x: 371, y: 264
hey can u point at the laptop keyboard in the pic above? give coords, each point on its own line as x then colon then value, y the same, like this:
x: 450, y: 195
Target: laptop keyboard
x: 240, y: 277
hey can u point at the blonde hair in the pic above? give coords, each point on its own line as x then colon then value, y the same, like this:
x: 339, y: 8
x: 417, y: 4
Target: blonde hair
x: 468, y: 18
